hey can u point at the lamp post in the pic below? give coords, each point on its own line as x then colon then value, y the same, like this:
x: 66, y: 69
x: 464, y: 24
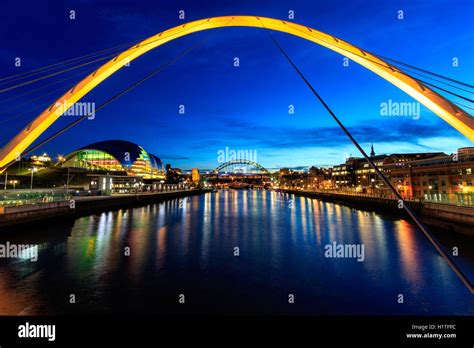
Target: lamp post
x: 6, y: 178
x: 34, y: 169
x: 67, y: 180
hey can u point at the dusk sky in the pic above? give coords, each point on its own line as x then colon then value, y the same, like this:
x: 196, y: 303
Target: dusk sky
x: 245, y: 107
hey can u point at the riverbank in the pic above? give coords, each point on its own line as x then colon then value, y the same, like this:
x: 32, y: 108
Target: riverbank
x: 172, y: 250
x: 81, y: 206
x: 453, y: 218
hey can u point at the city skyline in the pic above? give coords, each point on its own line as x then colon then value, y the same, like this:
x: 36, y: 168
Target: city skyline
x: 220, y: 161
x: 236, y: 165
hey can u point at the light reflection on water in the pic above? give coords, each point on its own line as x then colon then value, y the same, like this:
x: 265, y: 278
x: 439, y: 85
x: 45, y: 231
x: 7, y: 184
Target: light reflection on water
x: 187, y: 246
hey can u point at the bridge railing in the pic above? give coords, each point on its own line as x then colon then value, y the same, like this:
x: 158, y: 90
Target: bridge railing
x: 460, y: 199
x: 9, y: 198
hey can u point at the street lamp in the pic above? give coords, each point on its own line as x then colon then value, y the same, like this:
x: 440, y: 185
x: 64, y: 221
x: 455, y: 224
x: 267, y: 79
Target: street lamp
x: 429, y: 190
x: 34, y: 169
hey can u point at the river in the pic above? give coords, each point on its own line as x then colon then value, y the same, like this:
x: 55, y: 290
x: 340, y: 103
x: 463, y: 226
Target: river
x: 234, y: 252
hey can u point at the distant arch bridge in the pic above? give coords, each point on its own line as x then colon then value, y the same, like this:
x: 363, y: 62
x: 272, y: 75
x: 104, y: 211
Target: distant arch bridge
x: 441, y: 106
x: 241, y: 166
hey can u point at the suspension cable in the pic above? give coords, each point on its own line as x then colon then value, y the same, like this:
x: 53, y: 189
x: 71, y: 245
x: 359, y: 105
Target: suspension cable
x: 62, y: 63
x: 407, y: 70
x: 26, y: 112
x: 464, y: 106
x: 107, y: 102
x: 407, y: 208
x: 34, y: 99
x: 115, y: 97
x: 392, y: 67
x: 88, y: 70
x: 78, y: 66
x: 21, y: 84
x: 445, y: 90
x: 385, y: 65
x: 424, y: 70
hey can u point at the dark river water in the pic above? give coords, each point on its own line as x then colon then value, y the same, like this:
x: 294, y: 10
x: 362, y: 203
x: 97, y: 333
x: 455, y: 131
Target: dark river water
x: 188, y: 247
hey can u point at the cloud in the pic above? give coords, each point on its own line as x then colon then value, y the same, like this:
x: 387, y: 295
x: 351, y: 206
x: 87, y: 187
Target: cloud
x: 173, y: 157
x: 280, y: 146
x: 399, y: 131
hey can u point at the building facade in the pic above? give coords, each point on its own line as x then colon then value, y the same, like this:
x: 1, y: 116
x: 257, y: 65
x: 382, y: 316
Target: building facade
x: 195, y: 176
x: 118, y: 157
x: 357, y: 173
x: 441, y: 178
x: 433, y: 176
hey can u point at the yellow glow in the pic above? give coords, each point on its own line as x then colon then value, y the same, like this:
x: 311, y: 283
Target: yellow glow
x: 456, y: 117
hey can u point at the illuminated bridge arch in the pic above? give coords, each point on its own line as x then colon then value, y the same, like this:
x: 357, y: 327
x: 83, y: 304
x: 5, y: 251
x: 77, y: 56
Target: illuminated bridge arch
x: 455, y: 116
x: 247, y: 163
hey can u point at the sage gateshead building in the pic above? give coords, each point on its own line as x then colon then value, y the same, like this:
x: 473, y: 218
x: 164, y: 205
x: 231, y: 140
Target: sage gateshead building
x: 116, y: 157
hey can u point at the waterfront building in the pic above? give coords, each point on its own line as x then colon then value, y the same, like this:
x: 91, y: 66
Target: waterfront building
x: 117, y: 157
x: 367, y: 180
x: 433, y: 176
x: 173, y: 175
x: 113, y: 184
x: 357, y: 173
x: 40, y: 160
x: 319, y: 178
x: 344, y: 174
x: 195, y: 176
x: 440, y: 178
x: 291, y: 179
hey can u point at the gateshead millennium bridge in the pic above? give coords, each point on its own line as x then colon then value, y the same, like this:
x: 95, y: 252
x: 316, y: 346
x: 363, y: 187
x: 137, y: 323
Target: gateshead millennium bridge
x: 441, y: 106
x: 19, y: 146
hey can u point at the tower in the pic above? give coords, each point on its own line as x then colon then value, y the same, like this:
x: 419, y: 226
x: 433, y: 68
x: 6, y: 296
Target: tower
x: 372, y: 152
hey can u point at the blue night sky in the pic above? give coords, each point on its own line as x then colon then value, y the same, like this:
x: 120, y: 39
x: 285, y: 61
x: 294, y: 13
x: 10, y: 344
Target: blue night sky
x: 244, y: 108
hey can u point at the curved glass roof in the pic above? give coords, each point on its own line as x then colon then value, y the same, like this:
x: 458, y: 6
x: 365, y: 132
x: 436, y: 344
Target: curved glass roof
x: 125, y: 152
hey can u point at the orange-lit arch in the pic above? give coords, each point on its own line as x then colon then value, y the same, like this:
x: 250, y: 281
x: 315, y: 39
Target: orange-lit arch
x: 456, y: 117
